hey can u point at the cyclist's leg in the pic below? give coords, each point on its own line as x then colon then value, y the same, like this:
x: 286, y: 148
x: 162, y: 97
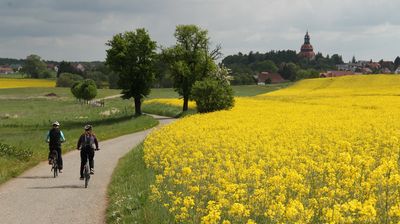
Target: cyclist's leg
x: 83, y: 160
x: 59, y: 158
x: 49, y: 158
x: 91, y: 156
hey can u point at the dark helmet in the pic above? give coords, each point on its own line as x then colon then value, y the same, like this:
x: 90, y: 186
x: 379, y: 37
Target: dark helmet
x: 88, y: 127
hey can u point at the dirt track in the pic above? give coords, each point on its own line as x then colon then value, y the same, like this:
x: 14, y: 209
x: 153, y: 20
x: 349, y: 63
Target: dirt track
x: 36, y: 197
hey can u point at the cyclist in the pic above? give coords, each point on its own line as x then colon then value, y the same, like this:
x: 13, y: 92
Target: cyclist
x: 55, y: 137
x: 87, y: 143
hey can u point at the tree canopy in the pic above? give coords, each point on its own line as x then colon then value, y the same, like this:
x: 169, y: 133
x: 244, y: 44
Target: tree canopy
x: 190, y: 59
x: 131, y: 55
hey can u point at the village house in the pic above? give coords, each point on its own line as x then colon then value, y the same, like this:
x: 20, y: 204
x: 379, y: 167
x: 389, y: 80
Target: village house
x: 80, y: 67
x: 6, y: 70
x: 269, y: 78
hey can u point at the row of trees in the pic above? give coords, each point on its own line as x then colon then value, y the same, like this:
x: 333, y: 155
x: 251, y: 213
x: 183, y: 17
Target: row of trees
x: 133, y: 56
x: 286, y: 62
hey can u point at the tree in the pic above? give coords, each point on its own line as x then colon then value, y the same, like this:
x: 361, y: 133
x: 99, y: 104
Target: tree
x: 397, y: 62
x: 190, y: 59
x: 337, y: 59
x: 88, y: 89
x: 214, y: 92
x: 84, y: 90
x: 76, y: 90
x: 132, y: 56
x: 353, y: 59
x: 66, y: 67
x: 264, y: 66
x: 34, y: 66
x: 289, y: 71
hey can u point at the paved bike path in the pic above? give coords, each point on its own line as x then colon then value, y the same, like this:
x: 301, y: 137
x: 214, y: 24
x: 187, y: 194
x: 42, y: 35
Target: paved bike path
x: 37, y: 197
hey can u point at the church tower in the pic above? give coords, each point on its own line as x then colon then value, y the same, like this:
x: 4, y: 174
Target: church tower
x: 307, y: 50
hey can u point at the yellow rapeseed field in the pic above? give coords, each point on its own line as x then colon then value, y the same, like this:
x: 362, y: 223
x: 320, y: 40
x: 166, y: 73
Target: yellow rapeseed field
x: 6, y: 83
x: 321, y: 151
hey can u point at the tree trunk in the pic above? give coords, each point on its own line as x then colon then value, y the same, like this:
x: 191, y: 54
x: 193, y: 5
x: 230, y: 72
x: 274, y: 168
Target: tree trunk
x: 185, y: 103
x: 138, y: 104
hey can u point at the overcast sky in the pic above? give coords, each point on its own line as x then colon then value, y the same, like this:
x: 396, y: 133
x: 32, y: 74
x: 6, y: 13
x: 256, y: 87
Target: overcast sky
x: 77, y: 30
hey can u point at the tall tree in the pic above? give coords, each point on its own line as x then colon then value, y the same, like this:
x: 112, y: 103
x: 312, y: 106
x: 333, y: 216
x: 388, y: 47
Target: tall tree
x: 397, y: 62
x: 132, y: 56
x: 190, y: 59
x: 66, y: 67
x: 34, y: 66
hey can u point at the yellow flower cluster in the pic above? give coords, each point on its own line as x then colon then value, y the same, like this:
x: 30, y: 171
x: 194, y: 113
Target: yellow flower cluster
x: 321, y: 151
x: 6, y: 83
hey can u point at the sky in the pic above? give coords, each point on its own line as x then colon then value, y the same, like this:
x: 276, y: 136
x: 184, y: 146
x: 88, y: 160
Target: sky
x: 77, y: 30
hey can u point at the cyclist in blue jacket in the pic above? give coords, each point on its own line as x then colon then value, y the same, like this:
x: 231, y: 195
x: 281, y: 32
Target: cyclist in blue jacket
x: 87, y: 143
x: 55, y: 137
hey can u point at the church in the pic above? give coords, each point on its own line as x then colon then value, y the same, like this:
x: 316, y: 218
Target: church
x: 307, y: 50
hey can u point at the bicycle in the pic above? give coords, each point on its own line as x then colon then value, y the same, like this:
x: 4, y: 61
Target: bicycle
x: 54, y: 162
x: 86, y: 171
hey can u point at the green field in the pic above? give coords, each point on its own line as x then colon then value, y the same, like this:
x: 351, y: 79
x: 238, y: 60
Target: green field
x: 26, y: 115
x: 176, y: 111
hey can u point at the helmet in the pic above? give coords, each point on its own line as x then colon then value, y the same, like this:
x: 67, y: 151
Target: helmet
x: 55, y: 123
x: 88, y: 127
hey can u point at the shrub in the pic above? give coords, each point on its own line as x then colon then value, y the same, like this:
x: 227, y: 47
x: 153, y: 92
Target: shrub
x: 212, y: 95
x: 85, y: 90
x: 67, y: 79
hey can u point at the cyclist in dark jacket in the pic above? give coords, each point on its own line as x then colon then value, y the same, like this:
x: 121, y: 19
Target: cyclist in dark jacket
x: 87, y: 143
x: 55, y: 137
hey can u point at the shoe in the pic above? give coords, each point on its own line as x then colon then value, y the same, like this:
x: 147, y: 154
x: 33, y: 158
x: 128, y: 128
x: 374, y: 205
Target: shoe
x: 50, y: 162
x: 91, y: 171
x: 60, y: 171
x: 81, y: 178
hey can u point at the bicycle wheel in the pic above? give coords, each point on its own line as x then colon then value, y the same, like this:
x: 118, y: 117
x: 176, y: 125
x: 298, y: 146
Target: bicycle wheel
x: 55, y: 168
x: 86, y: 174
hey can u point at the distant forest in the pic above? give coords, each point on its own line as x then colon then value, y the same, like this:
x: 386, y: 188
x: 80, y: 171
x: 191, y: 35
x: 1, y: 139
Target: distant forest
x: 244, y: 67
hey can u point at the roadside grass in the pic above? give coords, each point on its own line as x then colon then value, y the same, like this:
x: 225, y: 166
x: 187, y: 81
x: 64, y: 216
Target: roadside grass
x: 24, y: 121
x: 129, y: 193
x: 166, y: 110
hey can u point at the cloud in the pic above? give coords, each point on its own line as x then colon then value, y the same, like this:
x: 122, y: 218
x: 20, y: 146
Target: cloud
x: 78, y: 30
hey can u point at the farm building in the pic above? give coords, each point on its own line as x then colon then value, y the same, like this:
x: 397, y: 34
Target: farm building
x: 267, y: 77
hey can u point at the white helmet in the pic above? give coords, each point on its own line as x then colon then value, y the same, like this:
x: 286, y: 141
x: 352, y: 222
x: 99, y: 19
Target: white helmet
x: 88, y: 127
x: 55, y: 123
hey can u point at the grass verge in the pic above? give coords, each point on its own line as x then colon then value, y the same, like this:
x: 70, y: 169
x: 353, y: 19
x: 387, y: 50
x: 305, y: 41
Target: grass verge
x: 129, y: 193
x: 32, y: 140
x: 166, y: 110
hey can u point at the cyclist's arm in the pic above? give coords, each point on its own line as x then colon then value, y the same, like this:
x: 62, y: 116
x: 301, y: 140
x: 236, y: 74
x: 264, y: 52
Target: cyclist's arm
x: 62, y: 137
x: 96, y: 142
x: 78, y: 145
x: 47, y: 139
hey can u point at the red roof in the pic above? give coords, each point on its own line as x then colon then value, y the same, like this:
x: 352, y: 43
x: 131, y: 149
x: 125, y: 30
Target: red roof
x: 6, y: 70
x: 274, y: 77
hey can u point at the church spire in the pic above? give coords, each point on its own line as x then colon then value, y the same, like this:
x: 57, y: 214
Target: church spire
x: 307, y: 38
